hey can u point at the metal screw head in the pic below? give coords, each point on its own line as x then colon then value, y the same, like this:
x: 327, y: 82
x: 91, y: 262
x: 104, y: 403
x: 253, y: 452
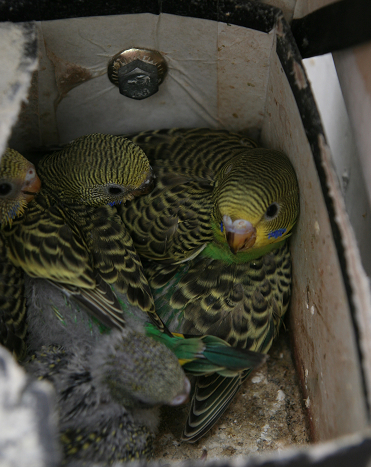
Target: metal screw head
x: 138, y: 80
x: 137, y: 72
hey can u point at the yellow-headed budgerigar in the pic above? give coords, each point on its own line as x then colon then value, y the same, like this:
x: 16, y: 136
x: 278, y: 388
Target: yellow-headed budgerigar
x: 214, y: 231
x: 19, y: 184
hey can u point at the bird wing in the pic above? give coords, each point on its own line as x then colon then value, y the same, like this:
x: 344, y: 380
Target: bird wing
x: 116, y: 260
x: 195, y: 148
x: 241, y: 303
x: 212, y: 396
x: 101, y: 302
x: 173, y: 221
x: 45, y: 245
x: 13, y: 326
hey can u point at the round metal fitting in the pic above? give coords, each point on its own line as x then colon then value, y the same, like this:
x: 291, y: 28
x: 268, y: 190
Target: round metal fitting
x: 137, y: 72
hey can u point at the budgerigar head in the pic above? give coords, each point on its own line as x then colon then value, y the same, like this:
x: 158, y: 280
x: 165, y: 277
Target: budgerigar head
x: 96, y: 170
x: 19, y: 184
x: 256, y: 200
x: 139, y: 371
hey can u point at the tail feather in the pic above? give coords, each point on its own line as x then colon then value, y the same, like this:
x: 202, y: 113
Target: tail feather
x: 220, y: 352
x: 211, y: 398
x: 205, y: 355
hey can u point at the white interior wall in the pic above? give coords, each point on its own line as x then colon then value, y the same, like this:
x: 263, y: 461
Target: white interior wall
x: 217, y: 75
x: 325, y: 345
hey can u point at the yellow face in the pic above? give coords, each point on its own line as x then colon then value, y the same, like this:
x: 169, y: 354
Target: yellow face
x: 19, y: 184
x: 256, y: 209
x: 249, y: 232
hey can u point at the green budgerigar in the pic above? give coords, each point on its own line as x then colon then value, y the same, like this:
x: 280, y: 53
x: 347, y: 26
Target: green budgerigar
x: 214, y: 232
x: 19, y: 184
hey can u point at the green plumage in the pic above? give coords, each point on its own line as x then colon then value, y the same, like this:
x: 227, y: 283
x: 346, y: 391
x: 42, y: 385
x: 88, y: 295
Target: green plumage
x: 18, y: 185
x: 206, y: 276
x: 76, y: 252
x: 242, y: 303
x: 173, y: 222
x: 204, y: 355
x: 56, y: 319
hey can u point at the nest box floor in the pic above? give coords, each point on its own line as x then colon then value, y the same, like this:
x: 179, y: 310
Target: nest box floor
x: 267, y: 414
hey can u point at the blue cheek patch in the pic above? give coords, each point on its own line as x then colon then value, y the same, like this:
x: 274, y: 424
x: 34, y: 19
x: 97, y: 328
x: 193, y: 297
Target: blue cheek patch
x: 112, y: 203
x: 221, y: 226
x: 276, y: 233
x: 13, y: 213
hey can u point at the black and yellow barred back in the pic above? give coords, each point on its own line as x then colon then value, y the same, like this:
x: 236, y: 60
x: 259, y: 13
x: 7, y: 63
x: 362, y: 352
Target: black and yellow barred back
x: 13, y: 326
x: 242, y: 303
x: 45, y: 245
x: 173, y: 222
x: 201, y: 176
x: 195, y: 149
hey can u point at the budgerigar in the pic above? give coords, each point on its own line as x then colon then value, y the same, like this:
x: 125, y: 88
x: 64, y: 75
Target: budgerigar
x: 109, y: 394
x: 214, y: 230
x: 19, y: 184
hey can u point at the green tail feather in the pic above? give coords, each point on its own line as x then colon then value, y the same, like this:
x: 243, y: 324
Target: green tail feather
x: 184, y: 349
x: 205, y: 355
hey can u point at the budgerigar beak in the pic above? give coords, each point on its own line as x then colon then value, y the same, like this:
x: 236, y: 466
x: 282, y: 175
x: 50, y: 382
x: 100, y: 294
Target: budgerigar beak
x: 147, y: 186
x: 184, y: 396
x: 240, y: 234
x: 31, y: 185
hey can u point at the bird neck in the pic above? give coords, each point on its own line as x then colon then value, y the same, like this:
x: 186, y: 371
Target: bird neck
x: 222, y: 252
x: 77, y: 216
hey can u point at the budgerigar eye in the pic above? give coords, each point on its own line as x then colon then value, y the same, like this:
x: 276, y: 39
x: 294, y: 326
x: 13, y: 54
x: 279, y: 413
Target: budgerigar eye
x: 115, y: 190
x: 272, y: 211
x: 5, y: 189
